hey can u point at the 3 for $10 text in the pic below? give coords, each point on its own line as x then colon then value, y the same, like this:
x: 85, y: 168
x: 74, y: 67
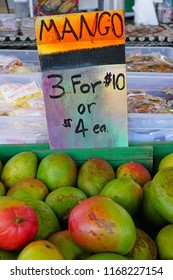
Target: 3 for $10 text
x: 78, y: 87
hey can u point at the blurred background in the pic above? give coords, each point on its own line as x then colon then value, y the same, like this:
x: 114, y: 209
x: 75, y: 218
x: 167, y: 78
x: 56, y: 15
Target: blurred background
x: 7, y: 6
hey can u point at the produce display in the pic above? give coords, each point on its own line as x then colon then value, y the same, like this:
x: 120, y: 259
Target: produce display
x: 52, y: 208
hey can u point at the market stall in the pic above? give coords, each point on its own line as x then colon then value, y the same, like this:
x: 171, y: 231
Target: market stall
x: 65, y: 133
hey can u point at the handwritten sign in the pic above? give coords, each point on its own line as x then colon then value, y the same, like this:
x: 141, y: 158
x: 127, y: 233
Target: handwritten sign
x: 82, y: 57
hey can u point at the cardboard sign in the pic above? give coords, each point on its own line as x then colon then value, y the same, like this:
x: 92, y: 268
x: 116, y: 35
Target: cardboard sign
x: 82, y: 57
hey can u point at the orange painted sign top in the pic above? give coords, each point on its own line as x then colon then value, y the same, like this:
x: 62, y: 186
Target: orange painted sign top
x: 63, y: 33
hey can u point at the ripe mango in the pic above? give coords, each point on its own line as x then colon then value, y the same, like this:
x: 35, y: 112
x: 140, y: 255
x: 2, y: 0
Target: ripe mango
x: 21, y: 166
x: 18, y: 223
x: 99, y: 224
x: 135, y: 170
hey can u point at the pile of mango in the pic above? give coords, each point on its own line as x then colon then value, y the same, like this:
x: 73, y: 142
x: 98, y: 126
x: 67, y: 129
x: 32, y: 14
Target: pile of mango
x: 52, y: 209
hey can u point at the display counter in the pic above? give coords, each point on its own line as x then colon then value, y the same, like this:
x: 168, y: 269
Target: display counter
x: 162, y: 36
x: 23, y: 35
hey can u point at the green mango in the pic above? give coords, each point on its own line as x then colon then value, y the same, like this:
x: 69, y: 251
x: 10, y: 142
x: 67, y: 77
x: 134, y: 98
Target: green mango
x: 47, y: 220
x: 150, y: 214
x: 40, y: 250
x: 63, y: 200
x: 93, y: 175
x: 164, y: 242
x: 21, y: 166
x: 145, y: 247
x: 161, y: 190
x: 57, y: 170
x: 31, y: 188
x: 67, y: 246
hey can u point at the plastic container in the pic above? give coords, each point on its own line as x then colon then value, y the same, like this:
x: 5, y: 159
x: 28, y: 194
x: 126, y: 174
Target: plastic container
x: 160, y: 61
x: 27, y: 56
x: 141, y: 127
x: 167, y: 51
x: 150, y: 127
x: 31, y: 56
x: 8, y: 25
x: 27, y: 26
x: 22, y: 129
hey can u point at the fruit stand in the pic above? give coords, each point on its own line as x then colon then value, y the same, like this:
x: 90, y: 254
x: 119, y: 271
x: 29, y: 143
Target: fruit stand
x: 68, y: 203
x: 148, y: 154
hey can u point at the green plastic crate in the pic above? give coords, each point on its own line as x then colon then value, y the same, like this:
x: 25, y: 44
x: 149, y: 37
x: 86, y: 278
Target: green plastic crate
x: 115, y: 156
x: 147, y: 153
x: 160, y: 150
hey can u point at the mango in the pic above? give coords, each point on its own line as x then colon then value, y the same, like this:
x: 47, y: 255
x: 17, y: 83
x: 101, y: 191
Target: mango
x: 67, y: 246
x: 166, y: 161
x: 18, y: 223
x: 148, y: 210
x: 93, y: 175
x: 48, y: 222
x: 164, y: 242
x: 135, y: 170
x: 162, y: 193
x: 40, y: 250
x: 126, y: 192
x: 63, y: 200
x: 28, y: 189
x: 99, y: 224
x: 21, y: 166
x: 144, y: 248
x: 57, y: 170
